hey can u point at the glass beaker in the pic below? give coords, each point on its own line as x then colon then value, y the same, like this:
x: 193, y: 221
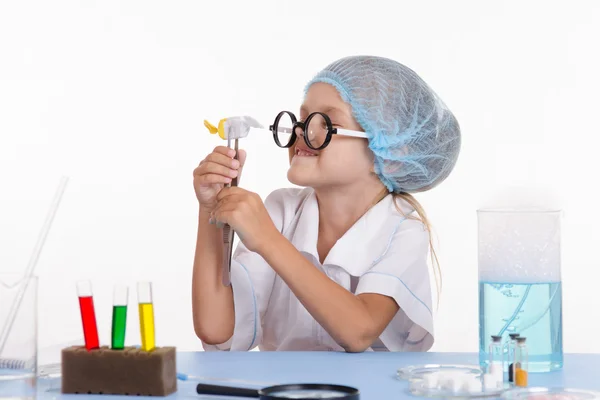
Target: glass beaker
x: 18, y: 335
x: 520, y: 283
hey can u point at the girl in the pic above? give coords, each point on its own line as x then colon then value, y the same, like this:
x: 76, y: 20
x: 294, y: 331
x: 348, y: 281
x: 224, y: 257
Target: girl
x: 340, y: 264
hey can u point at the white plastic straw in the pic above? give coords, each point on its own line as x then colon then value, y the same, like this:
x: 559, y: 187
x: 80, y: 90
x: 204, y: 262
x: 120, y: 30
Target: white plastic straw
x: 33, y: 262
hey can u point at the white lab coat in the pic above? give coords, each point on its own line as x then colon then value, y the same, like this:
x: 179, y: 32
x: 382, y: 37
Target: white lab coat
x: 382, y: 253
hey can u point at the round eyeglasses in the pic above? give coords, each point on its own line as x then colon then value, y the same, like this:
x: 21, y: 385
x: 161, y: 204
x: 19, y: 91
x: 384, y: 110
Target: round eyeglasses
x: 316, y: 130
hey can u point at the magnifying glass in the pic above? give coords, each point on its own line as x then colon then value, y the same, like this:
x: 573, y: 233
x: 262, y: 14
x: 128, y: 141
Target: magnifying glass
x: 303, y: 391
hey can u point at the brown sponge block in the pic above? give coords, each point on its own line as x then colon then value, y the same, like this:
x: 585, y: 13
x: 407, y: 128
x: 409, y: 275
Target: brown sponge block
x: 130, y: 371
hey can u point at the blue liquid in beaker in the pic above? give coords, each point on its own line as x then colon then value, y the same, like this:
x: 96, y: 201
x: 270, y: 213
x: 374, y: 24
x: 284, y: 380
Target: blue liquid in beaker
x: 533, y: 310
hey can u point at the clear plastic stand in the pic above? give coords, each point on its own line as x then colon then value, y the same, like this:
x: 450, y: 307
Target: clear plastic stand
x: 414, y: 372
x: 421, y: 388
x: 448, y: 381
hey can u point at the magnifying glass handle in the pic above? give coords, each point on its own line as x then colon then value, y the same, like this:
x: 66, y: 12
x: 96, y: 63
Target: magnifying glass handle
x: 217, y: 390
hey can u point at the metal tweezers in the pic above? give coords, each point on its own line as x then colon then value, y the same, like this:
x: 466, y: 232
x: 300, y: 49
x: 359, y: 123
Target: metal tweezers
x: 228, y: 233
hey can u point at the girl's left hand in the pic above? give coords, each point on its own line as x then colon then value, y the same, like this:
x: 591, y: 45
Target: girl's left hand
x: 247, y: 215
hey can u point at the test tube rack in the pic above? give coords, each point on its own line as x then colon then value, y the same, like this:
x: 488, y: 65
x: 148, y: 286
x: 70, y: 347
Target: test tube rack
x: 118, y: 370
x: 129, y: 371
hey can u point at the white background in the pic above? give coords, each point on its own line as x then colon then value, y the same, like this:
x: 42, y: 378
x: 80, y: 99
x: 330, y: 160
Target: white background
x: 114, y: 94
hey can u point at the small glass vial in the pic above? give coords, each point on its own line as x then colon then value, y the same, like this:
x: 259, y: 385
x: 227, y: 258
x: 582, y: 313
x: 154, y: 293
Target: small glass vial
x: 510, y: 354
x: 496, y: 366
x: 521, y: 362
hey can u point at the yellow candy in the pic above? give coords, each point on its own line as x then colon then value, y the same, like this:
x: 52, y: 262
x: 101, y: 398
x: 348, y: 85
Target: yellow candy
x: 220, y: 130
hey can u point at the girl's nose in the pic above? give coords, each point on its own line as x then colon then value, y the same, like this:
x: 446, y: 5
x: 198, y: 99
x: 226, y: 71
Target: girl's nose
x: 298, y: 131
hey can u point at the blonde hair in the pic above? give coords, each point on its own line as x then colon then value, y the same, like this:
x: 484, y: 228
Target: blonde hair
x: 421, y: 216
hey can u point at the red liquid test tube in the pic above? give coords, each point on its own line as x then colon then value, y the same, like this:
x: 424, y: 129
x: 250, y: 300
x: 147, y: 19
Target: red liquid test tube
x: 88, y: 315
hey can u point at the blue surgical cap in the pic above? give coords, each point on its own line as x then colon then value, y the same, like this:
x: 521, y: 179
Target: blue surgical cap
x: 414, y: 136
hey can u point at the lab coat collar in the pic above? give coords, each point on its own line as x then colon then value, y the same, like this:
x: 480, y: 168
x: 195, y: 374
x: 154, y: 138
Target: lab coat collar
x: 362, y: 245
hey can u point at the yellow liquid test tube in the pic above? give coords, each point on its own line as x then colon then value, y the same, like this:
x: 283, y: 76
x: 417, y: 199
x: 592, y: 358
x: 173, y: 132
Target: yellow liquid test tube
x: 146, y: 311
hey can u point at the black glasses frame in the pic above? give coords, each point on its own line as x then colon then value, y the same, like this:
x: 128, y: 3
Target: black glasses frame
x: 302, y: 124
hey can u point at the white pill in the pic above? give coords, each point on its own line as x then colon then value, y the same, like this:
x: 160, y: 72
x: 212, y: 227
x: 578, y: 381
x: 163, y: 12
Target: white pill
x: 431, y: 380
x: 466, y: 385
x: 455, y: 383
x: 443, y: 380
x: 475, y: 385
x: 471, y: 384
x: 489, y: 382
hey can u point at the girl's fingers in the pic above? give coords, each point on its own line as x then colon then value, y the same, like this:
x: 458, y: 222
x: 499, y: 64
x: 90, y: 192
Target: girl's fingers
x: 212, y: 178
x: 230, y: 192
x: 226, y: 151
x: 242, y: 157
x: 210, y: 167
x: 222, y: 210
x: 224, y: 160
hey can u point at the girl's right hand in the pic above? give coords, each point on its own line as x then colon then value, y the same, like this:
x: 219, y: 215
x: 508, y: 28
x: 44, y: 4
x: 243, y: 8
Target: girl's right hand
x: 214, y: 172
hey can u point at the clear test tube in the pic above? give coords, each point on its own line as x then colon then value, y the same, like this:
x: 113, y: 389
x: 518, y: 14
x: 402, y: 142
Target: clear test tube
x: 521, y: 362
x: 146, y: 312
x: 496, y: 367
x: 512, y: 343
x: 119, y: 316
x: 88, y: 314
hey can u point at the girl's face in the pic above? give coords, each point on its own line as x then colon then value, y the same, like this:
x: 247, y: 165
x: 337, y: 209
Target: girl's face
x: 345, y: 161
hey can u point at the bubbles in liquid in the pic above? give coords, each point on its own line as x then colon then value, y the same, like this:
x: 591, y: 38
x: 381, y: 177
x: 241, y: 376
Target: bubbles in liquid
x: 533, y: 310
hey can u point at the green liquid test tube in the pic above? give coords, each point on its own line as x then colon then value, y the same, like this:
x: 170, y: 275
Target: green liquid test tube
x: 119, y: 318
